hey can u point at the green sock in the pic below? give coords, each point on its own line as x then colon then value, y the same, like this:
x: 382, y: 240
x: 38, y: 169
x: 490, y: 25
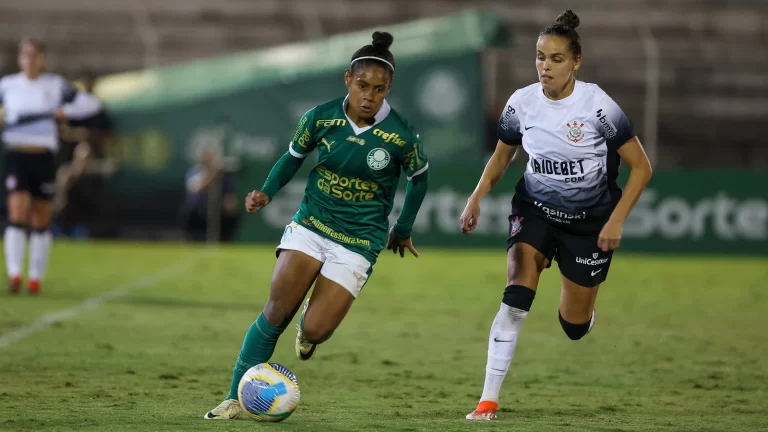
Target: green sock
x: 258, y: 346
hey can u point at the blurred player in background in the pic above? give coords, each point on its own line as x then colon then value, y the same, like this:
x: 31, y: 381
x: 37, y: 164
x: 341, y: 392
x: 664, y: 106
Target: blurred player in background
x: 568, y: 205
x: 341, y: 226
x: 34, y: 101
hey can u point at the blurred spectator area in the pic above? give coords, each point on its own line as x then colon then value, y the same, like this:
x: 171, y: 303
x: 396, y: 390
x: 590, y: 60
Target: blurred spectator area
x: 712, y: 53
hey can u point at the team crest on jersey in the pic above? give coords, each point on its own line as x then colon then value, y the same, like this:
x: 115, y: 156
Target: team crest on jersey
x: 515, y: 226
x: 378, y: 159
x: 575, y: 133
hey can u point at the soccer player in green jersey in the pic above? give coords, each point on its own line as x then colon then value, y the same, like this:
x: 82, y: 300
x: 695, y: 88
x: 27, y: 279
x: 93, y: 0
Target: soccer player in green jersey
x: 334, y: 239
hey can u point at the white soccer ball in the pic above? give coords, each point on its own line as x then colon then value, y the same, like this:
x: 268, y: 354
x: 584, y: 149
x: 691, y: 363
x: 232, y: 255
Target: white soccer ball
x: 269, y: 392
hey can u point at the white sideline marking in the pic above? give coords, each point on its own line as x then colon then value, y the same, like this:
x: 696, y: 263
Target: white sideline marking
x: 94, y: 302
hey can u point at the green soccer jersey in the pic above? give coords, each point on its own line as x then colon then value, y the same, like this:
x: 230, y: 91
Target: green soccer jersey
x: 351, y: 189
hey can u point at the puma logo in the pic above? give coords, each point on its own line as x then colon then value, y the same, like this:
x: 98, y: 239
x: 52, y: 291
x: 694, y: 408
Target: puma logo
x: 327, y: 144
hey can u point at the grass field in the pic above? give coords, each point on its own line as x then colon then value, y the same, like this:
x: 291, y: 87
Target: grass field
x: 145, y: 337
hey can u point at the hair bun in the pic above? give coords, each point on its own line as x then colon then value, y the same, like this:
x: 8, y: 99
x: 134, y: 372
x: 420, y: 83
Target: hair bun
x: 568, y: 19
x: 382, y: 40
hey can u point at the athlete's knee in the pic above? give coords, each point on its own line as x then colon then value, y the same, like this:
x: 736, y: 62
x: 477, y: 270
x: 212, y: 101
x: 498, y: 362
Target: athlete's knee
x: 279, y: 312
x: 576, y: 331
x: 316, y: 332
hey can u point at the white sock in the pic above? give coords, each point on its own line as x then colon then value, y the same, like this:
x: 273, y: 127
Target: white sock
x: 501, y: 348
x: 39, y: 248
x: 15, y: 241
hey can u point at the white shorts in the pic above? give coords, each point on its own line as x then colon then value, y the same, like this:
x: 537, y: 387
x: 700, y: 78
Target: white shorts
x: 346, y: 268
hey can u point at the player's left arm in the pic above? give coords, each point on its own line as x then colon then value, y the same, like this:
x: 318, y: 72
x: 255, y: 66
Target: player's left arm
x: 620, y: 137
x: 77, y: 104
x: 416, y: 166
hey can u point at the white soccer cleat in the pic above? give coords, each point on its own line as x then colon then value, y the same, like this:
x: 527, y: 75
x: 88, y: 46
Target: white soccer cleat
x: 304, y: 349
x: 486, y: 410
x: 227, y: 410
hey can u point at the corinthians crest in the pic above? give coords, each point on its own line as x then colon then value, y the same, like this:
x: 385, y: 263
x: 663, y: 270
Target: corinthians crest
x: 515, y: 225
x: 575, y: 133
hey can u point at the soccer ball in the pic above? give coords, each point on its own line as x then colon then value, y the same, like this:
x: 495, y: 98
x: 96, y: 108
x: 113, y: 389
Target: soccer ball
x: 269, y: 392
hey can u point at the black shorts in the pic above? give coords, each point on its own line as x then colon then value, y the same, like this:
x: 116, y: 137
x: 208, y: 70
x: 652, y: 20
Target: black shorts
x: 30, y: 172
x: 569, y: 238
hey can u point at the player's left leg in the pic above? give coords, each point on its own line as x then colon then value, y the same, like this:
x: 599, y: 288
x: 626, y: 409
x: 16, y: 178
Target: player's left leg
x: 340, y: 281
x: 40, y: 242
x: 577, y: 308
x: 583, y: 267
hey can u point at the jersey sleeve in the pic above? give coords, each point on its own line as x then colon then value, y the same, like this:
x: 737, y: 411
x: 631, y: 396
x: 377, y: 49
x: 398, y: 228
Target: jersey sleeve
x: 611, y: 122
x: 303, y: 142
x: 415, y: 160
x: 509, y: 123
x: 68, y: 91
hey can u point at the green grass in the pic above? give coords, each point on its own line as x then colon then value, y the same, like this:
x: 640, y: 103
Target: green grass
x: 679, y: 345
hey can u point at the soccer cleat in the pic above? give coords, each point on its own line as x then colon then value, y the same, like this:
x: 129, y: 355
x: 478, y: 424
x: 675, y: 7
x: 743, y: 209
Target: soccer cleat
x: 14, y: 284
x: 34, y: 287
x: 486, y: 410
x: 227, y: 410
x: 304, y: 349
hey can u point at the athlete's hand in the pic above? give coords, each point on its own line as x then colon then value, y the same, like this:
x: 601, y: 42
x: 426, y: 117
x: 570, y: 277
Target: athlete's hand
x: 610, y: 236
x: 394, y: 243
x: 255, y: 201
x: 469, y: 216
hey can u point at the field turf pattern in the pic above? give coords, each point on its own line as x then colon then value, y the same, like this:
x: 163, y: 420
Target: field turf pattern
x: 679, y: 345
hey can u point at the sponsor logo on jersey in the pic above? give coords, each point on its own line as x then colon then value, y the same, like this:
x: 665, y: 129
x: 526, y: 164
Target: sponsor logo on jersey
x: 575, y: 133
x: 330, y: 232
x: 304, y: 139
x: 331, y: 122
x: 388, y: 137
x: 508, y: 113
x: 345, y: 188
x: 608, y: 127
x: 571, y: 170
x: 356, y: 140
x: 378, y: 159
x: 559, y: 215
x: 298, y: 133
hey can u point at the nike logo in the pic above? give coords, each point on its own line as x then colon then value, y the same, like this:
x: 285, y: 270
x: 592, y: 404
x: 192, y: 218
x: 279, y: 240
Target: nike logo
x: 497, y: 340
x: 526, y: 128
x: 594, y: 272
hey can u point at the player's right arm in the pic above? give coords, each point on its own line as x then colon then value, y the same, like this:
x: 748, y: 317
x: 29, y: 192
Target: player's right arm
x: 286, y: 167
x: 510, y: 138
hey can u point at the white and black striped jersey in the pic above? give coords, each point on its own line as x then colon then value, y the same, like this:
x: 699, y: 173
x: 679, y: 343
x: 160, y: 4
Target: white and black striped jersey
x: 572, y: 144
x: 30, y: 106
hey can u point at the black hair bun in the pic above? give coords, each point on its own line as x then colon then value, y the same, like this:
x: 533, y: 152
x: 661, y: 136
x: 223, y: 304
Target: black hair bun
x: 382, y: 40
x: 568, y: 19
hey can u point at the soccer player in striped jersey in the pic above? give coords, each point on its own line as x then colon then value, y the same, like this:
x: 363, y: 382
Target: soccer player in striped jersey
x: 568, y: 205
x: 334, y: 239
x: 34, y: 101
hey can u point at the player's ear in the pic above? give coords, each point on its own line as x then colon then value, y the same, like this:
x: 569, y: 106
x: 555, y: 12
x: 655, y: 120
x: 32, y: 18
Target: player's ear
x: 577, y: 63
x: 347, y: 78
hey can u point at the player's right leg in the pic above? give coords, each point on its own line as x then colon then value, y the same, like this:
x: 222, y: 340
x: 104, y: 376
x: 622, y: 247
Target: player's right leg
x: 341, y: 279
x: 532, y: 247
x: 19, y: 202
x: 298, y: 264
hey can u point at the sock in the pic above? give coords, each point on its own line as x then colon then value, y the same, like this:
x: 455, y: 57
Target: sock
x: 576, y: 331
x: 258, y: 346
x: 502, y: 341
x: 15, y: 241
x: 39, y: 249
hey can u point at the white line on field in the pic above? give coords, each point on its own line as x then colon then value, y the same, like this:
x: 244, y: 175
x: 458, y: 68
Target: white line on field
x: 97, y: 301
